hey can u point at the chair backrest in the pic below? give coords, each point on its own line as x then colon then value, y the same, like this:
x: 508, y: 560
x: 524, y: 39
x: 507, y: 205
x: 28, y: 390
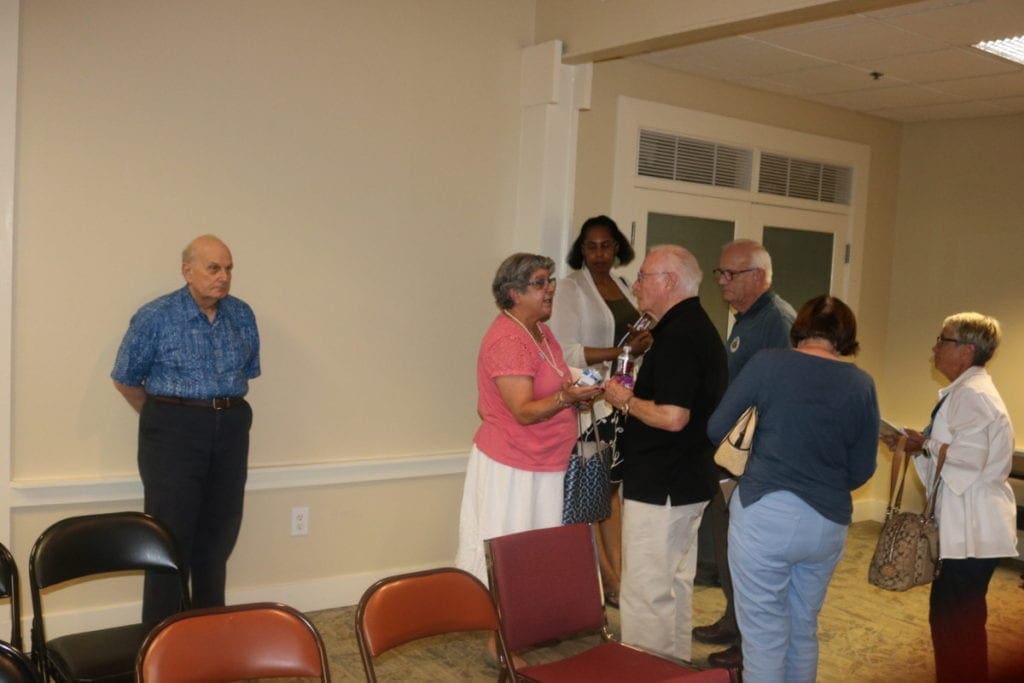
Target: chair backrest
x: 260, y: 640
x: 97, y: 544
x: 10, y: 587
x: 83, y: 546
x: 546, y: 584
x: 15, y: 666
x: 403, y: 608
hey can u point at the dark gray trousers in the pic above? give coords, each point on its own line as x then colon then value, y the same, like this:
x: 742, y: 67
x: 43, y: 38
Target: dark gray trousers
x: 193, y: 462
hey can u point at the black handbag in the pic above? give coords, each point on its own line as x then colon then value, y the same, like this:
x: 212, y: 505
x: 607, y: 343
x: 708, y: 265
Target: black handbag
x: 587, y: 487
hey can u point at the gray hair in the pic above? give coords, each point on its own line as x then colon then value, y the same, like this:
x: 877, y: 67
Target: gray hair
x: 514, y: 273
x: 758, y: 256
x: 974, y: 328
x: 684, y: 264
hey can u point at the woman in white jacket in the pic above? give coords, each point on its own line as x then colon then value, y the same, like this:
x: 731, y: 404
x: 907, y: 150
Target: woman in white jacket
x: 592, y: 312
x: 975, y: 509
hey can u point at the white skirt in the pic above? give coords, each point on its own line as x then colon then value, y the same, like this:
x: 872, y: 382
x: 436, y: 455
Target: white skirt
x: 498, y: 500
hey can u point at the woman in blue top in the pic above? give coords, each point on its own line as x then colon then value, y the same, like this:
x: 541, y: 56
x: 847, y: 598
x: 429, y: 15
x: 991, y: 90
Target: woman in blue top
x: 816, y: 440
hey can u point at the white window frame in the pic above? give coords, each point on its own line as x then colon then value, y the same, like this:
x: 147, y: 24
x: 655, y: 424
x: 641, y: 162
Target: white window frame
x: 627, y: 186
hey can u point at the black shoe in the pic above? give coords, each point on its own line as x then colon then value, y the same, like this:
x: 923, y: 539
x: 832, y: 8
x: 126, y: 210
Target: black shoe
x: 715, y: 634
x: 727, y: 659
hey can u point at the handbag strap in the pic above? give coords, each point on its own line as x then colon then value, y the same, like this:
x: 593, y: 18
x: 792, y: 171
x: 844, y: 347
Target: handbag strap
x: 898, y: 478
x: 929, y: 505
x: 593, y: 427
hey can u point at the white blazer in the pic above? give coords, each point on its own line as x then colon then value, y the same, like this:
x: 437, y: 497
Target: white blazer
x: 976, y: 512
x: 580, y: 317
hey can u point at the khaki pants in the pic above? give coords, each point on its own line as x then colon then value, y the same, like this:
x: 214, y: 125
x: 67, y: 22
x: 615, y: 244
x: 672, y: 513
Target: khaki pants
x: 659, y: 559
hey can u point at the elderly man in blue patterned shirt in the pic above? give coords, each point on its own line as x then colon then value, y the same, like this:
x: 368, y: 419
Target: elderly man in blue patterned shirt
x: 184, y: 365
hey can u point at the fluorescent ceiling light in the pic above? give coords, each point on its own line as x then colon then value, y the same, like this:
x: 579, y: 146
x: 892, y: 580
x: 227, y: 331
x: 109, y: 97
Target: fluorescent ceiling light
x: 1007, y: 48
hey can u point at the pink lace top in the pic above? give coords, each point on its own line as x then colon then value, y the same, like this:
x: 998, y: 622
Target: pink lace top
x: 507, y: 350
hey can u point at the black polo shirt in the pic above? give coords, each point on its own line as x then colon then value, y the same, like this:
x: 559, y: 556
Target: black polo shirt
x: 686, y: 366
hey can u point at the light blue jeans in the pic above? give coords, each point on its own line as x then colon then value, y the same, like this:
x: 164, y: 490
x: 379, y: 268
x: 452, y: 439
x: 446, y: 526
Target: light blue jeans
x: 782, y: 554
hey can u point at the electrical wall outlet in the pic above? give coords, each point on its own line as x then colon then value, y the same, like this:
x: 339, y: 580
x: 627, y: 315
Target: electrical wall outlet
x: 300, y: 521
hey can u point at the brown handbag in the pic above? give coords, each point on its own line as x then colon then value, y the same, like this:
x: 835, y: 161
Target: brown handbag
x: 907, y: 553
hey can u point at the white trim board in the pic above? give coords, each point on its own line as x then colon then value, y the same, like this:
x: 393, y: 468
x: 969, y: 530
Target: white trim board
x: 45, y: 492
x: 319, y: 593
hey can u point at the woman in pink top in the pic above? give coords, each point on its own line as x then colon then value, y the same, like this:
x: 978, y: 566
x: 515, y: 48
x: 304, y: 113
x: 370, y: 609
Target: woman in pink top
x: 521, y: 450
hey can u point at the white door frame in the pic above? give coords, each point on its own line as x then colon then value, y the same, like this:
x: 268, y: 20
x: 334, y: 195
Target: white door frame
x: 631, y: 193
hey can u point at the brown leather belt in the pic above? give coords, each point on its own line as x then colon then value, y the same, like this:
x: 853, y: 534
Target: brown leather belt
x: 211, y: 403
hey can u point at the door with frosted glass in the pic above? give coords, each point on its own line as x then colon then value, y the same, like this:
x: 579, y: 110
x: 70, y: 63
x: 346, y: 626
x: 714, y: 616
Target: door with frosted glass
x: 702, y: 225
x: 807, y: 250
x: 807, y: 247
x: 702, y: 237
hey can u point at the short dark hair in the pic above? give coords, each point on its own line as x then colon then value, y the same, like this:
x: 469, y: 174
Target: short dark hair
x: 625, y: 253
x: 514, y: 273
x: 827, y: 317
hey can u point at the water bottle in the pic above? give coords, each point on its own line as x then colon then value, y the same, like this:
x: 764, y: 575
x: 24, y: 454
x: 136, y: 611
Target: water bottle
x: 623, y: 369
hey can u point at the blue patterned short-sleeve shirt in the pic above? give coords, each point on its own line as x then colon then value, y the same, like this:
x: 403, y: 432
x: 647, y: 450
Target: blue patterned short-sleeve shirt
x: 172, y: 349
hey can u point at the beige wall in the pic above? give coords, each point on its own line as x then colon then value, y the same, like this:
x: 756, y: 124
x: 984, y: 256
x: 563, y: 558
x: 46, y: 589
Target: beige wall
x: 635, y: 79
x: 360, y: 158
x: 959, y: 241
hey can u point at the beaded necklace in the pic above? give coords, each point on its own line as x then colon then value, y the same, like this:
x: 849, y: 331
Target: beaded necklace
x: 549, y: 356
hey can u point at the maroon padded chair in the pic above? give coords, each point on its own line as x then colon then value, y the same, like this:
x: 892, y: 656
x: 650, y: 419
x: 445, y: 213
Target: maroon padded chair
x: 547, y: 586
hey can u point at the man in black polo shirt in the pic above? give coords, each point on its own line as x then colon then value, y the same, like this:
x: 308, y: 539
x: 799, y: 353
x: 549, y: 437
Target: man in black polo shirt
x: 668, y: 473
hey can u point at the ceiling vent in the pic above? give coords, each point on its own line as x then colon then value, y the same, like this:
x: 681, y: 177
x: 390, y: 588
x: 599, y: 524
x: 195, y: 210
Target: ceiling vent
x: 802, y: 179
x: 671, y: 157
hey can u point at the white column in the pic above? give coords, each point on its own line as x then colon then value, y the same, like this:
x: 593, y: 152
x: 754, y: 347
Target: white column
x: 9, y: 10
x: 551, y: 96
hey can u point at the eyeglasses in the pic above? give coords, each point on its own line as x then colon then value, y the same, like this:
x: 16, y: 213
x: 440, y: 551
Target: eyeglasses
x: 940, y: 339
x: 641, y: 276
x: 730, y: 274
x: 600, y: 246
x: 541, y: 282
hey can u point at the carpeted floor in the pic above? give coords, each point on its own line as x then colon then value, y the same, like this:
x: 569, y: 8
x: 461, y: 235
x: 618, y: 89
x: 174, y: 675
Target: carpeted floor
x: 866, y: 634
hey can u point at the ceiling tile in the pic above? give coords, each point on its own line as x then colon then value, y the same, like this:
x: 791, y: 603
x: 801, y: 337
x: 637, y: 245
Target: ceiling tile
x: 955, y: 110
x: 915, y: 7
x: 740, y: 56
x: 921, y: 48
x: 984, y: 87
x: 829, y: 79
x: 885, y: 98
x: 966, y: 23
x: 763, y: 83
x: 865, y: 39
x: 1008, y: 104
x: 835, y: 22
x: 703, y: 68
x: 941, y: 65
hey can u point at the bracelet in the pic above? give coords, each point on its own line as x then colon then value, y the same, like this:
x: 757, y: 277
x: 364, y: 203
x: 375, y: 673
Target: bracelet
x: 559, y: 401
x: 625, y: 406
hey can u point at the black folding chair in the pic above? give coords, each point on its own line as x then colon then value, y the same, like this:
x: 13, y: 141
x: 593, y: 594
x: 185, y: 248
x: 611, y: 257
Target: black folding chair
x: 90, y: 545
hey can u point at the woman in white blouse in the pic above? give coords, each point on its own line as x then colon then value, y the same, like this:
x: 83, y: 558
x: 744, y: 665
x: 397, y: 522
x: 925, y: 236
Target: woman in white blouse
x: 975, y: 509
x: 592, y: 313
